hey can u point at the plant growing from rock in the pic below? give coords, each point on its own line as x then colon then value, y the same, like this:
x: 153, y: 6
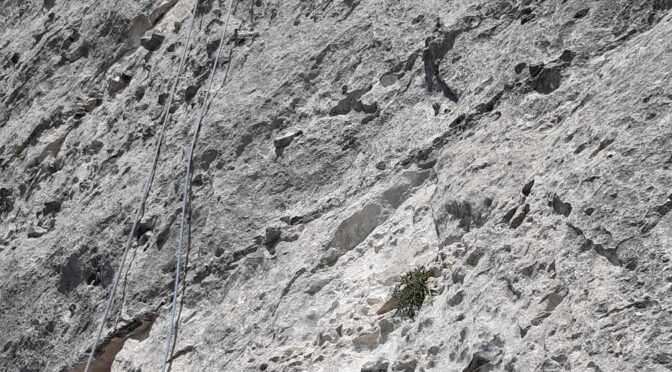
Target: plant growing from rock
x: 411, y: 291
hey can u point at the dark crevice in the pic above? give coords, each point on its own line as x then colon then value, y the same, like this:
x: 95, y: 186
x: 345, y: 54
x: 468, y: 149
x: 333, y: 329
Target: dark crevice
x: 581, y: 13
x: 285, y: 291
x: 603, y: 145
x: 352, y: 5
x: 611, y: 254
x: 520, y: 217
x: 432, y: 56
x: 544, y: 80
x: 509, y: 215
x: 528, y: 188
x: 426, y: 158
x: 352, y: 101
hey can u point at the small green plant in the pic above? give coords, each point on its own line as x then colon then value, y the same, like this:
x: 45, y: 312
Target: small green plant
x: 411, y: 291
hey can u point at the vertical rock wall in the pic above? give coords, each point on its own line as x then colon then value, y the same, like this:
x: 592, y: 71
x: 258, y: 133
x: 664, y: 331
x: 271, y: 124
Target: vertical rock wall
x: 518, y: 149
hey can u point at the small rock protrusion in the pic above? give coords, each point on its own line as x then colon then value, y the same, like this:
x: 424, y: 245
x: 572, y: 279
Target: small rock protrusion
x: 458, y: 275
x: 486, y: 357
x: 36, y: 231
x: 161, y: 10
x: 92, y: 103
x: 368, y: 340
x: 152, y: 40
x: 118, y: 83
x: 555, y: 298
x: 406, y: 365
x: 377, y: 366
x: 286, y: 139
x: 388, y: 306
x: 567, y: 57
x: 146, y: 224
x: 594, y: 367
x: 386, y: 327
x: 456, y: 299
x: 434, y: 350
x: 388, y: 80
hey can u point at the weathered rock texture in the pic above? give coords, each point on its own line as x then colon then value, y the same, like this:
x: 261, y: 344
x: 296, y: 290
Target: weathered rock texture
x: 519, y: 148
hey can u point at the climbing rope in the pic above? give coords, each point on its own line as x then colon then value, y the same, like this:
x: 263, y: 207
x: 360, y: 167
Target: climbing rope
x: 186, y: 193
x: 148, y: 185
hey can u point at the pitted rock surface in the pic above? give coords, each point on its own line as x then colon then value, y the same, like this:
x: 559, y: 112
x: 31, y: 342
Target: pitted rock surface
x: 519, y: 149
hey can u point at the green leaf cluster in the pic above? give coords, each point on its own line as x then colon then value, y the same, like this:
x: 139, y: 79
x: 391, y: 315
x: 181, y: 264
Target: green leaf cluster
x: 411, y: 291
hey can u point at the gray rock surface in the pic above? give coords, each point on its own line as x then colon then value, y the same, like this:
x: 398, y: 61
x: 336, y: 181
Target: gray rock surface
x: 521, y: 149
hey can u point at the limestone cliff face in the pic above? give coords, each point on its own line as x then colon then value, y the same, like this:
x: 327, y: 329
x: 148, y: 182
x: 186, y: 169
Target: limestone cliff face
x: 520, y: 149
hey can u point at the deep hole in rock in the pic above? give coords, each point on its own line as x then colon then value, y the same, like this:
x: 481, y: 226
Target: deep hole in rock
x: 71, y: 275
x: 190, y: 93
x: 93, y: 279
x: 51, y: 208
x: 560, y: 207
x: 545, y: 81
x: 139, y: 93
x: 126, y: 78
x: 581, y: 13
x: 437, y: 108
x: 535, y: 70
x: 474, y: 258
x: 567, y: 56
x: 162, y: 98
x: 527, y: 18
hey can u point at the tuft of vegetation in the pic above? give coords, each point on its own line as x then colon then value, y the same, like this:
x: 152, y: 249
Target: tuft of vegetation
x: 411, y: 291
